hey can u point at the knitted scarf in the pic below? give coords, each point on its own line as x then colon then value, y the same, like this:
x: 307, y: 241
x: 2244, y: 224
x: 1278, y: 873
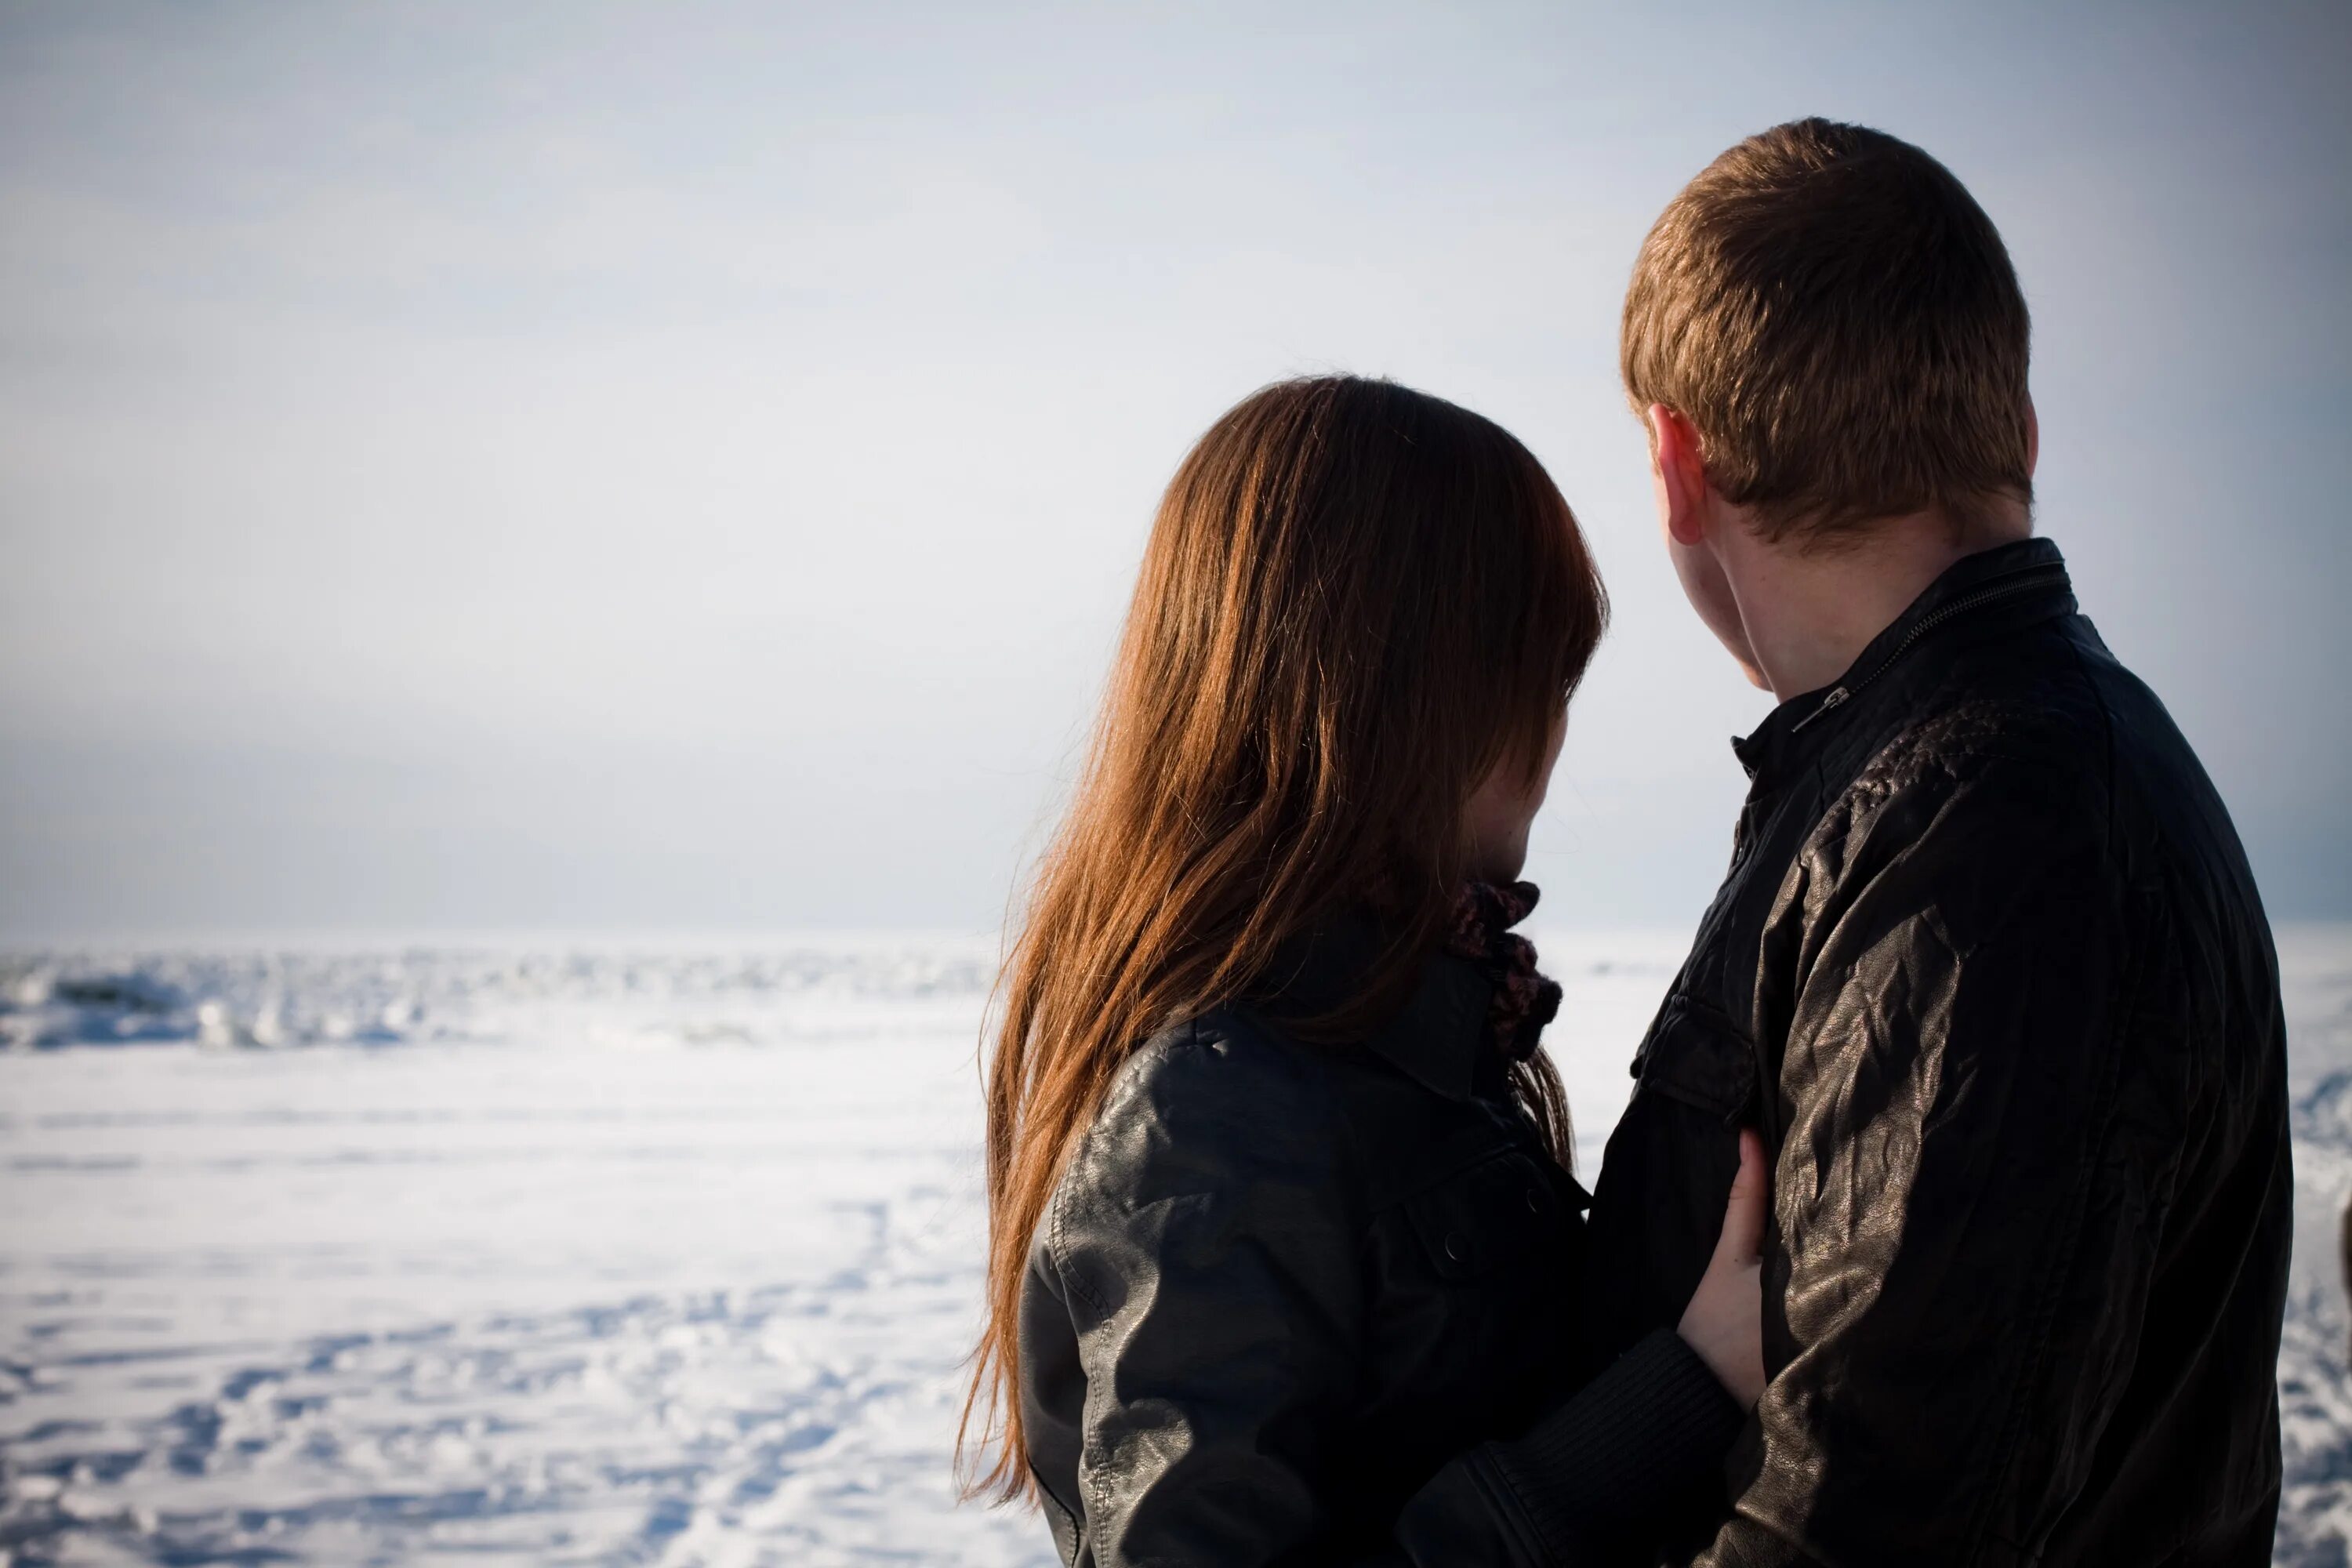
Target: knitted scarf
x: 1524, y: 1001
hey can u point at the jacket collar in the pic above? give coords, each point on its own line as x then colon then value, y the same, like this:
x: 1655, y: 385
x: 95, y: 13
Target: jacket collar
x: 1434, y: 1038
x: 2021, y: 582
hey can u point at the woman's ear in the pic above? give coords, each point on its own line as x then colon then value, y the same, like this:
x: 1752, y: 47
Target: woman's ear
x: 1680, y: 472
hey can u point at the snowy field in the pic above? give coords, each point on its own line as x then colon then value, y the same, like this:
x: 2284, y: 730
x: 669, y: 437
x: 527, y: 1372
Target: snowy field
x: 602, y: 1255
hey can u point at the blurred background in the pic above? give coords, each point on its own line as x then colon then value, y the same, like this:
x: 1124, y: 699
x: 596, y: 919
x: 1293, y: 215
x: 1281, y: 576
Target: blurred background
x: 558, y: 559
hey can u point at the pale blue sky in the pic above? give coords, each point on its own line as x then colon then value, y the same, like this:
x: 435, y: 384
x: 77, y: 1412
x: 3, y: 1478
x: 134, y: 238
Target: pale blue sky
x: 575, y: 467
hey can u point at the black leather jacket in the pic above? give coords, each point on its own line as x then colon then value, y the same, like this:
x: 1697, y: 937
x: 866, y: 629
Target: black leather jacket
x: 1287, y: 1298
x: 1991, y: 952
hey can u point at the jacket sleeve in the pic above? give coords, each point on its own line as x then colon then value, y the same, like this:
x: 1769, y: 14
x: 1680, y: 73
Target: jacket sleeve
x: 1206, y: 1247
x: 1586, y: 1482
x: 1963, y: 1238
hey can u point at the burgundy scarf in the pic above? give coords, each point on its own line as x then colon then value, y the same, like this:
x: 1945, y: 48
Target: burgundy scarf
x: 1523, y: 1001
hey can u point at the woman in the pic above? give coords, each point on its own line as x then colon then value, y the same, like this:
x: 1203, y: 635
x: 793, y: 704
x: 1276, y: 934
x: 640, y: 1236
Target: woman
x: 1284, y: 1243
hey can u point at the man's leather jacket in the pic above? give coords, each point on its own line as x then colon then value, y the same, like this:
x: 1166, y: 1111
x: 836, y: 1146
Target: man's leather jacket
x: 1990, y: 972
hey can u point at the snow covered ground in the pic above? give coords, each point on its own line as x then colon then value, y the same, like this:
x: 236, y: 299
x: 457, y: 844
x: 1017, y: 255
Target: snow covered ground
x: 588, y: 1254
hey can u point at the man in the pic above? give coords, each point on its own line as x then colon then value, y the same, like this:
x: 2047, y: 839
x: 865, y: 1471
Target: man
x: 1989, y: 970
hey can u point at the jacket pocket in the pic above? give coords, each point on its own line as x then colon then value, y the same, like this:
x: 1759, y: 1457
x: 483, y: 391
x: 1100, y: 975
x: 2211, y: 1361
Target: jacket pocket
x: 1697, y: 1056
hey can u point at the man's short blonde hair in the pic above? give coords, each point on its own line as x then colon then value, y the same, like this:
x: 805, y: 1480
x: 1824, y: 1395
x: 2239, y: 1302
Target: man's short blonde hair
x: 1838, y: 318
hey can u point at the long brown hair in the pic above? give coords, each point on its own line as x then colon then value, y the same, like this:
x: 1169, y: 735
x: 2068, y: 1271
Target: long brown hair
x: 1357, y: 602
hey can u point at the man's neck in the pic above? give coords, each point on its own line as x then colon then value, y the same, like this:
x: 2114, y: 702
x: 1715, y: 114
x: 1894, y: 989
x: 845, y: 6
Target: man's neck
x: 1810, y: 613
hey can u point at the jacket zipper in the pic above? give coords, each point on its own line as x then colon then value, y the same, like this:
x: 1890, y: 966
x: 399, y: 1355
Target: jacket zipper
x: 1840, y: 696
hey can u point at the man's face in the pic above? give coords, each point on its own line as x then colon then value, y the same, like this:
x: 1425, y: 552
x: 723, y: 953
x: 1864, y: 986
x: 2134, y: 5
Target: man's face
x: 1698, y: 566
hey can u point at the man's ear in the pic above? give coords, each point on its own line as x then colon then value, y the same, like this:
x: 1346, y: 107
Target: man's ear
x: 1682, y: 474
x: 2033, y: 438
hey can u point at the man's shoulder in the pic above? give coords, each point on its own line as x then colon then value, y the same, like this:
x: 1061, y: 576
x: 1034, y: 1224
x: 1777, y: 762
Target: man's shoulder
x: 2033, y: 742
x: 1995, y: 776
x: 2048, y: 747
x: 2035, y: 700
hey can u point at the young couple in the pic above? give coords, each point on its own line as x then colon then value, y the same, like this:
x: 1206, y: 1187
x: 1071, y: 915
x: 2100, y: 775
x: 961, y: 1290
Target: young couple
x: 1948, y: 1219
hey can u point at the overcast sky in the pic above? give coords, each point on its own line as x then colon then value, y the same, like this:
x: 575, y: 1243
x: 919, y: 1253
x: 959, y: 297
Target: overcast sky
x: 680, y: 467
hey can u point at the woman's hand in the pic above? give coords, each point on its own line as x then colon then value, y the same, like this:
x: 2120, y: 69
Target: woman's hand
x: 1724, y: 1321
